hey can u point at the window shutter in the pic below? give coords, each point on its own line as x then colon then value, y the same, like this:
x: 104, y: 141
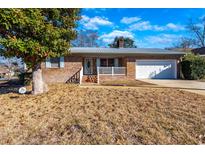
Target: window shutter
x: 48, y: 63
x: 116, y: 62
x: 61, y: 62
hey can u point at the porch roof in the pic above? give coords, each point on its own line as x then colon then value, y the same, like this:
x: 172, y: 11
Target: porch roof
x: 124, y: 51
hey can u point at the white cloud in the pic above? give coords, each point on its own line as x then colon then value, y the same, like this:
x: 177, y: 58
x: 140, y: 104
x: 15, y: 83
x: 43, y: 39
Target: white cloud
x: 129, y: 20
x: 108, y: 38
x: 174, y: 27
x: 84, y: 18
x: 146, y: 25
x: 95, y: 22
x: 96, y: 10
x: 166, y: 39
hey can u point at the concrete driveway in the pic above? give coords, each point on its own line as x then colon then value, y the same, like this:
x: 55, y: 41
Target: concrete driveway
x: 188, y: 85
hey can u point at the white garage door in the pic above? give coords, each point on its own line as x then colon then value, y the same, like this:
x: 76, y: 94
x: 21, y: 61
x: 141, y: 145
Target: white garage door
x: 156, y: 69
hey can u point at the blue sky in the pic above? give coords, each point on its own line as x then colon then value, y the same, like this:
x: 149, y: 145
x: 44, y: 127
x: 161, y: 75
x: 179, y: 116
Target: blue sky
x: 150, y: 28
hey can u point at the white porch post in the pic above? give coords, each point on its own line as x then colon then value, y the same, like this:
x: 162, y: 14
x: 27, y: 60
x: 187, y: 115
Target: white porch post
x: 98, y: 62
x: 112, y: 71
x: 81, y: 75
x: 98, y: 79
x: 116, y: 62
x: 98, y: 65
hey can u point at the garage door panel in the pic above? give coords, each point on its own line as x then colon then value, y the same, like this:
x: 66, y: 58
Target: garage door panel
x: 155, y: 69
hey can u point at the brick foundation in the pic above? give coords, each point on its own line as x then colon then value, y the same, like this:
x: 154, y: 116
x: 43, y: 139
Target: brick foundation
x: 103, y: 78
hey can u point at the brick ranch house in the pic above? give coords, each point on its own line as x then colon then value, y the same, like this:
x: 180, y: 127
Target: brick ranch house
x: 103, y: 64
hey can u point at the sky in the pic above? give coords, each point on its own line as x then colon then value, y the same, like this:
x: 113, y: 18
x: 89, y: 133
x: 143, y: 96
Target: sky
x: 149, y: 28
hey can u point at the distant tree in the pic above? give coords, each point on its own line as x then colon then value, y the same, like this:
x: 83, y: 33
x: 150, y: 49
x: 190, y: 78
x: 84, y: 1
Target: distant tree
x: 86, y: 38
x: 36, y: 34
x: 198, y: 29
x: 128, y: 42
x: 185, y: 43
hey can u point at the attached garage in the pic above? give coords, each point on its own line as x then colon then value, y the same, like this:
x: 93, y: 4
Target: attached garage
x: 156, y: 69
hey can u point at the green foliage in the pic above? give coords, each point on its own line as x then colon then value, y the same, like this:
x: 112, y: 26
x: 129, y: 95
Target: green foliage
x: 128, y: 43
x: 193, y: 66
x: 35, y: 34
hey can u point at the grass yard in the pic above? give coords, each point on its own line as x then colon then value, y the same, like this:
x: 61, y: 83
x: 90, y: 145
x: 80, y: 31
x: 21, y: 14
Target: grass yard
x: 69, y: 114
x: 130, y: 83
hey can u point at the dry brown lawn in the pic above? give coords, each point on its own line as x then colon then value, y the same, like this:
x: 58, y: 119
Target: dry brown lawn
x: 70, y: 114
x: 130, y: 83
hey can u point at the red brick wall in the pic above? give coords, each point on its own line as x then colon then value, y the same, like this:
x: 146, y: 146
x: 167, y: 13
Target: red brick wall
x: 71, y: 65
x: 111, y: 78
x: 131, y: 67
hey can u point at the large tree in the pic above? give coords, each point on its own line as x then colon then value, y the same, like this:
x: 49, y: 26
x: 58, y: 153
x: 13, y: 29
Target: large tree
x: 185, y: 43
x: 36, y: 34
x: 128, y: 42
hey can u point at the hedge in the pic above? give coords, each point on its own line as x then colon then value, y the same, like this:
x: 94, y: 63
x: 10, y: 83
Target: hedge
x: 193, y: 67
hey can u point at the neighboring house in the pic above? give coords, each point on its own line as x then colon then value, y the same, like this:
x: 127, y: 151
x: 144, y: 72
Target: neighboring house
x: 180, y: 49
x: 3, y: 72
x: 102, y: 64
x: 200, y: 51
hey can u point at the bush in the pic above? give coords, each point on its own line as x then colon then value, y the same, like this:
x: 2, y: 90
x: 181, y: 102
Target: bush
x: 193, y: 67
x: 186, y: 69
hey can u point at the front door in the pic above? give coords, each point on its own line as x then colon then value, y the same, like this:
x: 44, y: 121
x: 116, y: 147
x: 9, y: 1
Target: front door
x: 88, y: 66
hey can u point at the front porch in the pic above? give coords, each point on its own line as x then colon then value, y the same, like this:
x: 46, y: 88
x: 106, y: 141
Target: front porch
x: 94, y: 68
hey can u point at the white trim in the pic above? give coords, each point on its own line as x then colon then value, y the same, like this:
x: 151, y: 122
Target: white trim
x: 98, y: 62
x: 175, y: 67
x: 112, y: 70
x: 116, y: 62
x: 98, y: 76
x: 113, y: 74
x: 81, y: 75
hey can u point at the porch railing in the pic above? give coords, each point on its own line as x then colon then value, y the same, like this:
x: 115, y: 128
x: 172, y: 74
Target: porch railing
x: 75, y: 78
x: 111, y: 70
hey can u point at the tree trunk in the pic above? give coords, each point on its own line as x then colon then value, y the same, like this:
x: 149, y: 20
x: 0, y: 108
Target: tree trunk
x: 38, y: 85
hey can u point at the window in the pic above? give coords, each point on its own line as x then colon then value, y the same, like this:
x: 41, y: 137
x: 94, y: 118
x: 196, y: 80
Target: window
x: 55, y: 62
x: 103, y: 62
x: 111, y: 62
x: 107, y: 62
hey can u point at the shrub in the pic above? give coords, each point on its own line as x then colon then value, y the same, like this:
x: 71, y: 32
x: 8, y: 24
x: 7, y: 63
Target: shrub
x: 186, y: 69
x: 193, y: 67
